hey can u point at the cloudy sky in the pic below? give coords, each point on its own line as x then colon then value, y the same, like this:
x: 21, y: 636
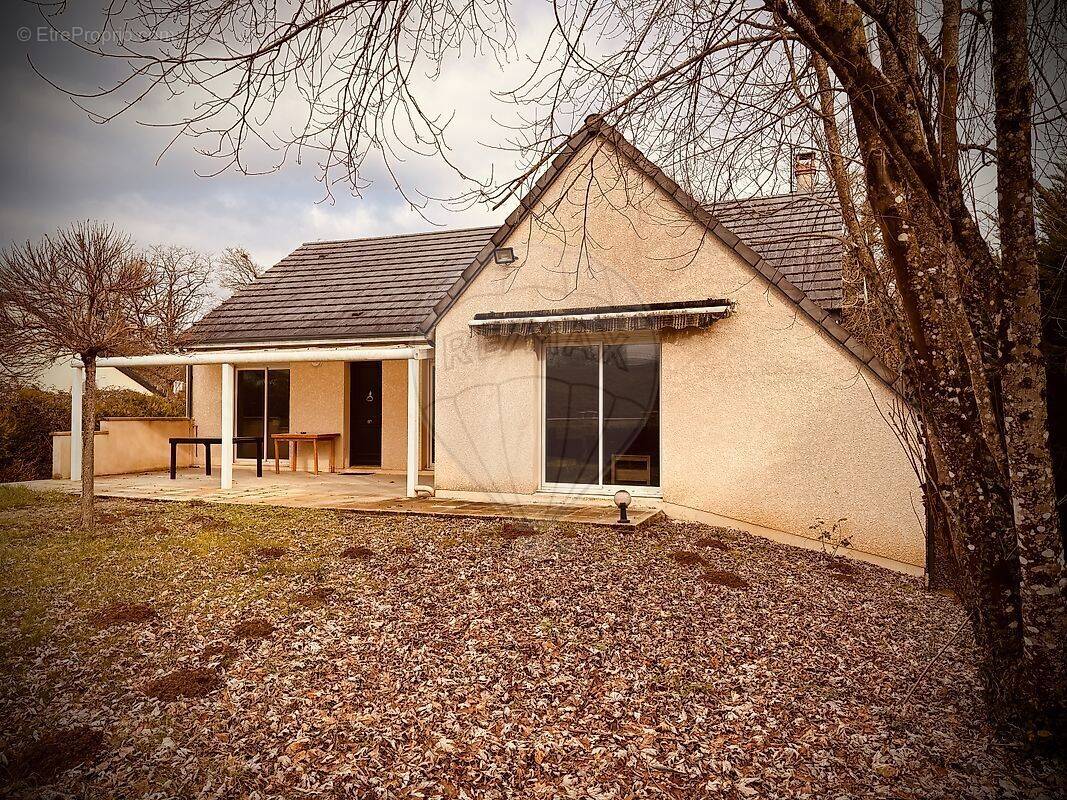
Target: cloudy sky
x: 58, y: 166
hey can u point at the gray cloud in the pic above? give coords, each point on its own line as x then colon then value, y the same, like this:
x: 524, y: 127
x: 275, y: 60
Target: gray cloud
x: 56, y: 165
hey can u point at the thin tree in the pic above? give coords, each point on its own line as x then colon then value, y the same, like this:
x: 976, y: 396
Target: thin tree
x: 237, y: 269
x: 1052, y: 255
x: 927, y: 101
x: 84, y: 290
x: 178, y: 296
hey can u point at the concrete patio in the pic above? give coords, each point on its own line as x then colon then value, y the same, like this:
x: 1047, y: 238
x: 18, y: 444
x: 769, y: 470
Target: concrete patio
x: 378, y: 492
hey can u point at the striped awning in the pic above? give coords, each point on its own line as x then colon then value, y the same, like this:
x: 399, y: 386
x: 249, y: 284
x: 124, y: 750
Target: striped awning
x: 650, y: 317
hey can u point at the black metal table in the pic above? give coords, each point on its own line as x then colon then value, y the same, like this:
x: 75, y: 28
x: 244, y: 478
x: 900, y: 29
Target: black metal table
x: 207, y: 441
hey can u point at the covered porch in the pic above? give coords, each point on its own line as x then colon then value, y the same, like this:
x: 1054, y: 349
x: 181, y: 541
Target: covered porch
x: 370, y: 407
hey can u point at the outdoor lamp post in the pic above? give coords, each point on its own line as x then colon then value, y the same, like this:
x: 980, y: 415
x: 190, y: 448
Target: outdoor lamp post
x: 622, y: 500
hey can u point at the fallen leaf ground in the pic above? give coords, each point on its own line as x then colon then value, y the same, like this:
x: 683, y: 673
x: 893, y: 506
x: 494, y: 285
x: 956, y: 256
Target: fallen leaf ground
x: 188, y: 650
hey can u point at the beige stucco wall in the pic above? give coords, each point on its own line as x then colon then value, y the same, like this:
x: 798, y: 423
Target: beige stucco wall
x: 125, y: 445
x: 764, y: 418
x: 207, y: 399
x: 394, y: 414
x: 318, y: 403
x: 207, y: 405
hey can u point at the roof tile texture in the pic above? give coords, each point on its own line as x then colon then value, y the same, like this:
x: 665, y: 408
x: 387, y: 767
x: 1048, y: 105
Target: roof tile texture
x: 799, y: 234
x: 346, y: 289
x: 390, y: 286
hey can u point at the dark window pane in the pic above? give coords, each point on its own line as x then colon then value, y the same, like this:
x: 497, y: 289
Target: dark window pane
x: 249, y: 408
x: 277, y: 405
x: 631, y: 414
x: 572, y: 424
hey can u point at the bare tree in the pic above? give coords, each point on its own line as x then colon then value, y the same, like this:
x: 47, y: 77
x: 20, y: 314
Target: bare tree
x: 178, y: 297
x: 85, y: 291
x: 237, y: 269
x: 914, y: 106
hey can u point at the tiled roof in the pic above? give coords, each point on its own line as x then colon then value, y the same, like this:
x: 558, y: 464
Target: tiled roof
x: 799, y: 234
x: 346, y: 289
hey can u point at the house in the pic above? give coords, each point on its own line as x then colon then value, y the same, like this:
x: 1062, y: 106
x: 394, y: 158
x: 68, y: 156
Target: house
x: 611, y: 333
x: 59, y: 375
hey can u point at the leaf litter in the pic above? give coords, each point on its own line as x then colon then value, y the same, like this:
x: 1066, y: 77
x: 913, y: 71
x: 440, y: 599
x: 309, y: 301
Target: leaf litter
x: 579, y: 662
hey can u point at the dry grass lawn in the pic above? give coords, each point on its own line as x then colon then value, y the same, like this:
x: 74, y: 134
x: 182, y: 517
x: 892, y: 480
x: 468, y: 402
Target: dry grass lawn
x: 190, y: 650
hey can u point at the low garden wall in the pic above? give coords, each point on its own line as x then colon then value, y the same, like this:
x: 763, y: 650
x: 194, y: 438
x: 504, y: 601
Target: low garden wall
x: 128, y: 444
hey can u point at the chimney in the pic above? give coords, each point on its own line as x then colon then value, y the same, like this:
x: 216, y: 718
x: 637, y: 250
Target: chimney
x: 804, y: 170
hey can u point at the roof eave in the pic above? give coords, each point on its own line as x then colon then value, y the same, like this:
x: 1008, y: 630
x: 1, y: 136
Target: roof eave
x: 413, y: 337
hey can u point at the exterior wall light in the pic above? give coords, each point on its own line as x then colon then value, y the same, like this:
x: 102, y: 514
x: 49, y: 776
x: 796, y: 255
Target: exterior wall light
x: 504, y: 256
x: 622, y: 500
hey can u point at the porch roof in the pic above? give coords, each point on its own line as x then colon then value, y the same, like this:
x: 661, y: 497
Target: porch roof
x: 270, y: 356
x: 345, y: 290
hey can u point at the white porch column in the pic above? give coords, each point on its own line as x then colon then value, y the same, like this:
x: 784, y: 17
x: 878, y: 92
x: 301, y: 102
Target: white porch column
x: 414, y: 424
x: 226, y: 457
x: 77, y: 386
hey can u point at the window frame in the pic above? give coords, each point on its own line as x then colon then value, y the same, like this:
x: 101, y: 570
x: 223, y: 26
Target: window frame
x: 600, y: 489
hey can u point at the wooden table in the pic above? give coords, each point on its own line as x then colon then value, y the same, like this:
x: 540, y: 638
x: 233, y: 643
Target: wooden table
x: 294, y: 440
x: 207, y: 441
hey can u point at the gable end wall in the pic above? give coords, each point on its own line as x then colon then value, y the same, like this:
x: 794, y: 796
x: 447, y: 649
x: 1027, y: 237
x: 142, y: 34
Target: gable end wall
x: 764, y: 417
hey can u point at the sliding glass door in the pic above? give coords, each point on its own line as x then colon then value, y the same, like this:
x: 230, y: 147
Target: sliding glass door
x: 262, y: 408
x: 601, y: 424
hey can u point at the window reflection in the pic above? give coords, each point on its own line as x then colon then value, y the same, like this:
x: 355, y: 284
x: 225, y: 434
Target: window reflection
x: 626, y: 384
x: 249, y: 408
x: 631, y: 414
x: 262, y: 392
x: 572, y: 423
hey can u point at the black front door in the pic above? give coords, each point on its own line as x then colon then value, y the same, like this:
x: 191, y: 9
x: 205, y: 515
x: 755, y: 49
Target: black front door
x: 366, y: 420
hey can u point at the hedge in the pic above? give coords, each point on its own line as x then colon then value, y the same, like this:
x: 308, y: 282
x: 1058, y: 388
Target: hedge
x: 28, y: 416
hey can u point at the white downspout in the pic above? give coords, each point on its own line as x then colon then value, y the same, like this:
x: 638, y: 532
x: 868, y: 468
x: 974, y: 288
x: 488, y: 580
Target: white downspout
x: 77, y: 387
x: 414, y: 418
x: 226, y: 457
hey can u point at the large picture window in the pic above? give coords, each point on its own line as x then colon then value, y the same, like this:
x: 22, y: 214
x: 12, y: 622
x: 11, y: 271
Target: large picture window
x: 602, y: 415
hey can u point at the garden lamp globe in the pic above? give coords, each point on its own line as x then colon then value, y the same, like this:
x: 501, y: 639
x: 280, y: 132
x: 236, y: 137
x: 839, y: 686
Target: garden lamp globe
x: 622, y: 500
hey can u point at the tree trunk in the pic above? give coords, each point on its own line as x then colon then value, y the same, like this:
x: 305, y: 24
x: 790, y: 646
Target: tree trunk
x: 973, y: 368
x: 839, y: 171
x: 942, y: 383
x: 1043, y: 673
x: 942, y: 569
x: 88, y: 434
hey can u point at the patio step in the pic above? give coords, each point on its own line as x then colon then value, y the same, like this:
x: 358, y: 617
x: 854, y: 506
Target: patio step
x: 528, y: 512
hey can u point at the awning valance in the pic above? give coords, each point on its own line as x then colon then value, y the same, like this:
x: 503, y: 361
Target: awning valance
x: 648, y: 317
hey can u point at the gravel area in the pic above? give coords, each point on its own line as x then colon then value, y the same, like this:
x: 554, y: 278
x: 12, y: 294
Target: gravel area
x: 191, y: 650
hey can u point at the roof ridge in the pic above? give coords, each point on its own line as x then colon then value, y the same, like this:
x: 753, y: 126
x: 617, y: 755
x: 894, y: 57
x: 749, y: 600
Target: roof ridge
x: 812, y: 193
x: 398, y: 235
